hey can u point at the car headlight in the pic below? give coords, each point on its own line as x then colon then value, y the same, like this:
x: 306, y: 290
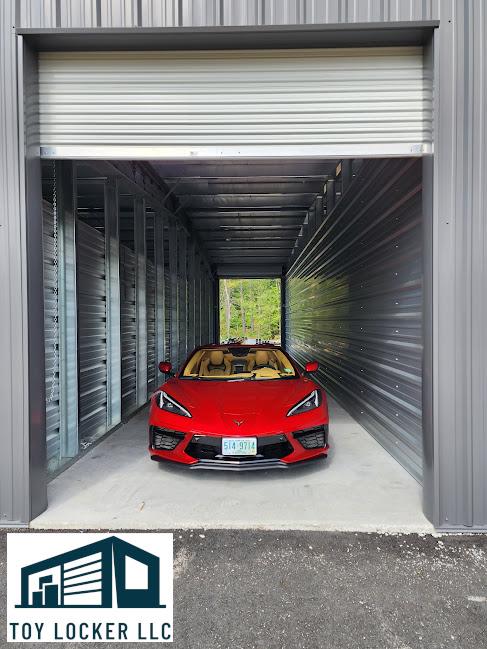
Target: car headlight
x: 310, y: 402
x: 165, y: 402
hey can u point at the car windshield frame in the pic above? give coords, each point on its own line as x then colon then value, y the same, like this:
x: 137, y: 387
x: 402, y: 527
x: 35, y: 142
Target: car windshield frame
x: 241, y: 376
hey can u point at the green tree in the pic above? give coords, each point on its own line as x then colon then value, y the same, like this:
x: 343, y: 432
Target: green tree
x: 250, y: 308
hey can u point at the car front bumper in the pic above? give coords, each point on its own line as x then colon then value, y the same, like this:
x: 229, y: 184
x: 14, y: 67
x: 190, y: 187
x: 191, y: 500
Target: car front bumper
x: 278, y: 451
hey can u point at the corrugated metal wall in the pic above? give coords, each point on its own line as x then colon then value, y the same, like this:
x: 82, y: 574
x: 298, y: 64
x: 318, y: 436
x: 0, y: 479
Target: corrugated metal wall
x: 92, y: 334
x: 457, y: 399
x: 14, y: 396
x: 359, y: 101
x: 355, y: 303
x: 51, y: 333
x: 182, y: 13
x: 151, y: 326
x: 128, y: 326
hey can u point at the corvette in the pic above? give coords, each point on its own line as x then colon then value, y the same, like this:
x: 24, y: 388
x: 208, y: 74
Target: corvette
x: 238, y: 407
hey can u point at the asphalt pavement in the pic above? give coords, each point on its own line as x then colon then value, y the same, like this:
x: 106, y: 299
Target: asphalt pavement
x: 273, y: 590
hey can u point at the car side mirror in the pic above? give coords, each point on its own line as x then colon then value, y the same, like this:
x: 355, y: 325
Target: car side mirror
x: 312, y: 366
x: 165, y: 367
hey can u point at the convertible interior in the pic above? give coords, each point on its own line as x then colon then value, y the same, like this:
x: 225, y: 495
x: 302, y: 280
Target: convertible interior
x: 232, y: 362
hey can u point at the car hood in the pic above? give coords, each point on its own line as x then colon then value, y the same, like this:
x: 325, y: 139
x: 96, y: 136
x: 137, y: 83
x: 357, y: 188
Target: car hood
x: 251, y: 403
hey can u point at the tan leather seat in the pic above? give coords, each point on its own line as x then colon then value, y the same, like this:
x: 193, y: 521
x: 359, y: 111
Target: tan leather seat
x: 262, y: 359
x: 216, y: 364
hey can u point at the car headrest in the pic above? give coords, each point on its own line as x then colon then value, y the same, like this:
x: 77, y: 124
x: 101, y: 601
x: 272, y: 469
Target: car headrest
x: 216, y: 357
x: 261, y: 357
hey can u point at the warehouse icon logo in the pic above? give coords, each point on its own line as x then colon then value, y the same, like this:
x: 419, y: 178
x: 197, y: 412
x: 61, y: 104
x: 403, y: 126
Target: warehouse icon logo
x: 83, y: 578
x: 90, y: 587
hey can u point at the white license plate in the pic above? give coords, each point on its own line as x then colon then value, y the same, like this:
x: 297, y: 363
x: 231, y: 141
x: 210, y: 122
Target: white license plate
x: 239, y: 446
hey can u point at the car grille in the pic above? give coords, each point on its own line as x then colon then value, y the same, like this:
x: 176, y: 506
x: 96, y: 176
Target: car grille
x: 209, y: 448
x: 165, y: 440
x: 313, y: 437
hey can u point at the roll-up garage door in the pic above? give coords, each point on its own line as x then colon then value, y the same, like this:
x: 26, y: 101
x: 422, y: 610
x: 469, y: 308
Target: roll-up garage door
x: 318, y: 102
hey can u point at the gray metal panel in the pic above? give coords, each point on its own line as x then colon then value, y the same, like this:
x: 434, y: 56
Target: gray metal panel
x: 457, y: 393
x: 22, y: 487
x: 174, y: 291
x: 68, y: 313
x: 195, y: 13
x: 328, y: 102
x: 112, y: 274
x: 168, y: 333
x: 160, y: 344
x: 51, y: 337
x: 151, y: 326
x: 128, y: 325
x: 191, y: 335
x: 183, y: 294
x: 354, y: 303
x: 197, y: 300
x: 92, y: 333
x: 140, y: 298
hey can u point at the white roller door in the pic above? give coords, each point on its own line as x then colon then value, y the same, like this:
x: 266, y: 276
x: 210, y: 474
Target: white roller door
x: 322, y: 102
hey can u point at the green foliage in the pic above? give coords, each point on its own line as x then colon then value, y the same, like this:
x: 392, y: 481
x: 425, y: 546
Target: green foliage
x: 250, y: 308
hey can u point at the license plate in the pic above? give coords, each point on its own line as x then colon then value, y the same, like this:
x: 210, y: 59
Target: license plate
x: 239, y: 446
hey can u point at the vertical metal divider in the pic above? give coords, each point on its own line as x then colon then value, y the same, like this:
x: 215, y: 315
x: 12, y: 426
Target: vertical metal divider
x: 318, y: 212
x: 197, y: 298
x: 191, y: 296
x: 183, y: 298
x: 330, y: 195
x: 283, y: 308
x: 112, y: 279
x: 140, y: 296
x: 65, y: 202
x: 204, y: 319
x: 160, y: 289
x: 174, y: 298
x: 215, y: 308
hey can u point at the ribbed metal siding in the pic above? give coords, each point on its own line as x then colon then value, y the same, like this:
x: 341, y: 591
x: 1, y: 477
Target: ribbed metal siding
x: 167, y: 285
x: 190, y: 13
x: 92, y: 335
x: 292, y: 102
x: 354, y: 303
x: 128, y: 325
x: 151, y: 326
x: 51, y: 337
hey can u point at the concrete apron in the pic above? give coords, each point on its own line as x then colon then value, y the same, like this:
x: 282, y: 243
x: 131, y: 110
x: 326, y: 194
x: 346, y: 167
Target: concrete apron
x: 116, y: 486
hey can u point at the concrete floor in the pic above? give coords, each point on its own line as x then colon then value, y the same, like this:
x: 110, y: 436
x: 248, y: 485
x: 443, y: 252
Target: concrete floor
x: 115, y: 485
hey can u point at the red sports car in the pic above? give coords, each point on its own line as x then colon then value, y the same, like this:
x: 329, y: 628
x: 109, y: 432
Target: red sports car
x: 238, y: 407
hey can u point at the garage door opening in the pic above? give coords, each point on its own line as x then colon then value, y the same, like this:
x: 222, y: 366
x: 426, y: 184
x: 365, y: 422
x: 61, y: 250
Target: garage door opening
x: 165, y: 173
x: 250, y: 310
x: 138, y: 270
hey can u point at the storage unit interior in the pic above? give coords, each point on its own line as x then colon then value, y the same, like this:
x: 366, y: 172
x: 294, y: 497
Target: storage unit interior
x: 134, y: 248
x: 345, y: 236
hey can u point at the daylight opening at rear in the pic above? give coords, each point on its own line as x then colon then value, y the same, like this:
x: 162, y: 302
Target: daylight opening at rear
x: 250, y: 310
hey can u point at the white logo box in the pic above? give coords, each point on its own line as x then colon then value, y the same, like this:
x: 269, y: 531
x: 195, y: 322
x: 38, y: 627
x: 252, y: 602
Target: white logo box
x: 87, y: 587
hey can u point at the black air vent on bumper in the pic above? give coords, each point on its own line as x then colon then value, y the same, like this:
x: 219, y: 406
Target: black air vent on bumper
x: 164, y: 440
x: 313, y: 437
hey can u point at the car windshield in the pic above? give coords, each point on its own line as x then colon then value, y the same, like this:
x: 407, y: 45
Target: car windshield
x: 239, y: 364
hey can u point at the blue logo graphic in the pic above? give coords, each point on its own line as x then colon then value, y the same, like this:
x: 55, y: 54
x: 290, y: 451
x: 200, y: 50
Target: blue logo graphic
x: 86, y: 577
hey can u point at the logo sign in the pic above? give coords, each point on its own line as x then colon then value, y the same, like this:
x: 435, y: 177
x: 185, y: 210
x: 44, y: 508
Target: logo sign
x: 89, y: 587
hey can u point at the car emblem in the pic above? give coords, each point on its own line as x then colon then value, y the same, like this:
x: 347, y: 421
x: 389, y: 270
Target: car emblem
x: 237, y: 423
